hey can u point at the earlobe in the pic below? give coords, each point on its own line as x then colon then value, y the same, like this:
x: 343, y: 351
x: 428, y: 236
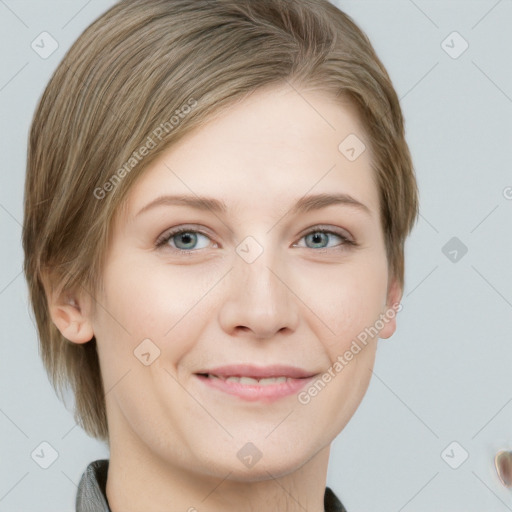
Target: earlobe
x: 69, y: 315
x: 391, y: 310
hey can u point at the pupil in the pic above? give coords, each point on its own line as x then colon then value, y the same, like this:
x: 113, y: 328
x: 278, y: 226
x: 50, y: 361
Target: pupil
x: 317, y: 238
x: 186, y: 238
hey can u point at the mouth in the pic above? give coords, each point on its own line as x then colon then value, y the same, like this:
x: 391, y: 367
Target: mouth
x: 250, y: 371
x: 256, y: 383
x: 252, y: 381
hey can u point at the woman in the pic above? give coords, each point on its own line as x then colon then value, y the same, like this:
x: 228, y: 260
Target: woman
x: 217, y: 199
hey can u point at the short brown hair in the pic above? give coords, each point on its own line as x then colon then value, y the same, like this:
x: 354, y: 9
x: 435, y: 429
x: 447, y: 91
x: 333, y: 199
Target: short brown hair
x: 144, y: 63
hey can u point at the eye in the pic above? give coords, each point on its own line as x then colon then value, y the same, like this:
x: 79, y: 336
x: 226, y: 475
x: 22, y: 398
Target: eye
x: 319, y: 236
x: 183, y: 239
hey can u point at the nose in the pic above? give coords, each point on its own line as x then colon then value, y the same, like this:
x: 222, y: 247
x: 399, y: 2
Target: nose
x: 258, y: 300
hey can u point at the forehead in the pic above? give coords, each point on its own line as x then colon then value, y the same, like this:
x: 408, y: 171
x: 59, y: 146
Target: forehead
x: 264, y: 152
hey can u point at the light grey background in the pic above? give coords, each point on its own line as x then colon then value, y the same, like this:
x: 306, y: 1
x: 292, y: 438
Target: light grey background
x: 444, y: 376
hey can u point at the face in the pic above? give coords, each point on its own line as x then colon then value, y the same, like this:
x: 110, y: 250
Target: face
x: 252, y: 279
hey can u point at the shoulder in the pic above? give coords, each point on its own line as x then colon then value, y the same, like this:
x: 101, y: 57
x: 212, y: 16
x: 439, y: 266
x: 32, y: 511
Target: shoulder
x: 331, y: 502
x: 91, y: 495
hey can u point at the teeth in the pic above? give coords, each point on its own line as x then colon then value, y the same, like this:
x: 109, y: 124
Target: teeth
x: 272, y: 380
x: 250, y: 381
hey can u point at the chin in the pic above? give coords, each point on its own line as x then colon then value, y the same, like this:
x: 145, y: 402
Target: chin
x: 264, y: 470
x: 269, y: 462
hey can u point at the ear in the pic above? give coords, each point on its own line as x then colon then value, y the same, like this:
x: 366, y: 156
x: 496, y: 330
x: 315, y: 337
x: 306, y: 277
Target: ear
x: 70, y: 312
x: 388, y: 317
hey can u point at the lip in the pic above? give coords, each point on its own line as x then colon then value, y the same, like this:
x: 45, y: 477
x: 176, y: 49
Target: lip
x: 258, y: 372
x: 297, y: 378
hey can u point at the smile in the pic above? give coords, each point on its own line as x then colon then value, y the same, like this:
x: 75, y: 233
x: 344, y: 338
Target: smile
x: 251, y: 381
x: 265, y: 389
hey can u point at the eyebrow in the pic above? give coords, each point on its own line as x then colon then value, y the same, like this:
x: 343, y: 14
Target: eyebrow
x: 303, y: 205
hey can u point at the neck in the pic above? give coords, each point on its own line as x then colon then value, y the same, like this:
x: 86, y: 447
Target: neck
x: 139, y: 479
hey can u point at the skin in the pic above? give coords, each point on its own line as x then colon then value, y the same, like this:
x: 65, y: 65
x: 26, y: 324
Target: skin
x: 173, y: 440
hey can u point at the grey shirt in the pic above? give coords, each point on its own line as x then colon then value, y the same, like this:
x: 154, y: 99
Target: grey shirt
x: 91, y: 495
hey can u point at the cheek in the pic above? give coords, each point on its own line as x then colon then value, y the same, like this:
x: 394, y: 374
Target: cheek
x: 345, y: 299
x: 163, y: 302
x: 159, y: 302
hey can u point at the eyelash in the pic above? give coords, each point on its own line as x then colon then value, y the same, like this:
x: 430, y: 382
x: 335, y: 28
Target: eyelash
x: 164, y: 239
